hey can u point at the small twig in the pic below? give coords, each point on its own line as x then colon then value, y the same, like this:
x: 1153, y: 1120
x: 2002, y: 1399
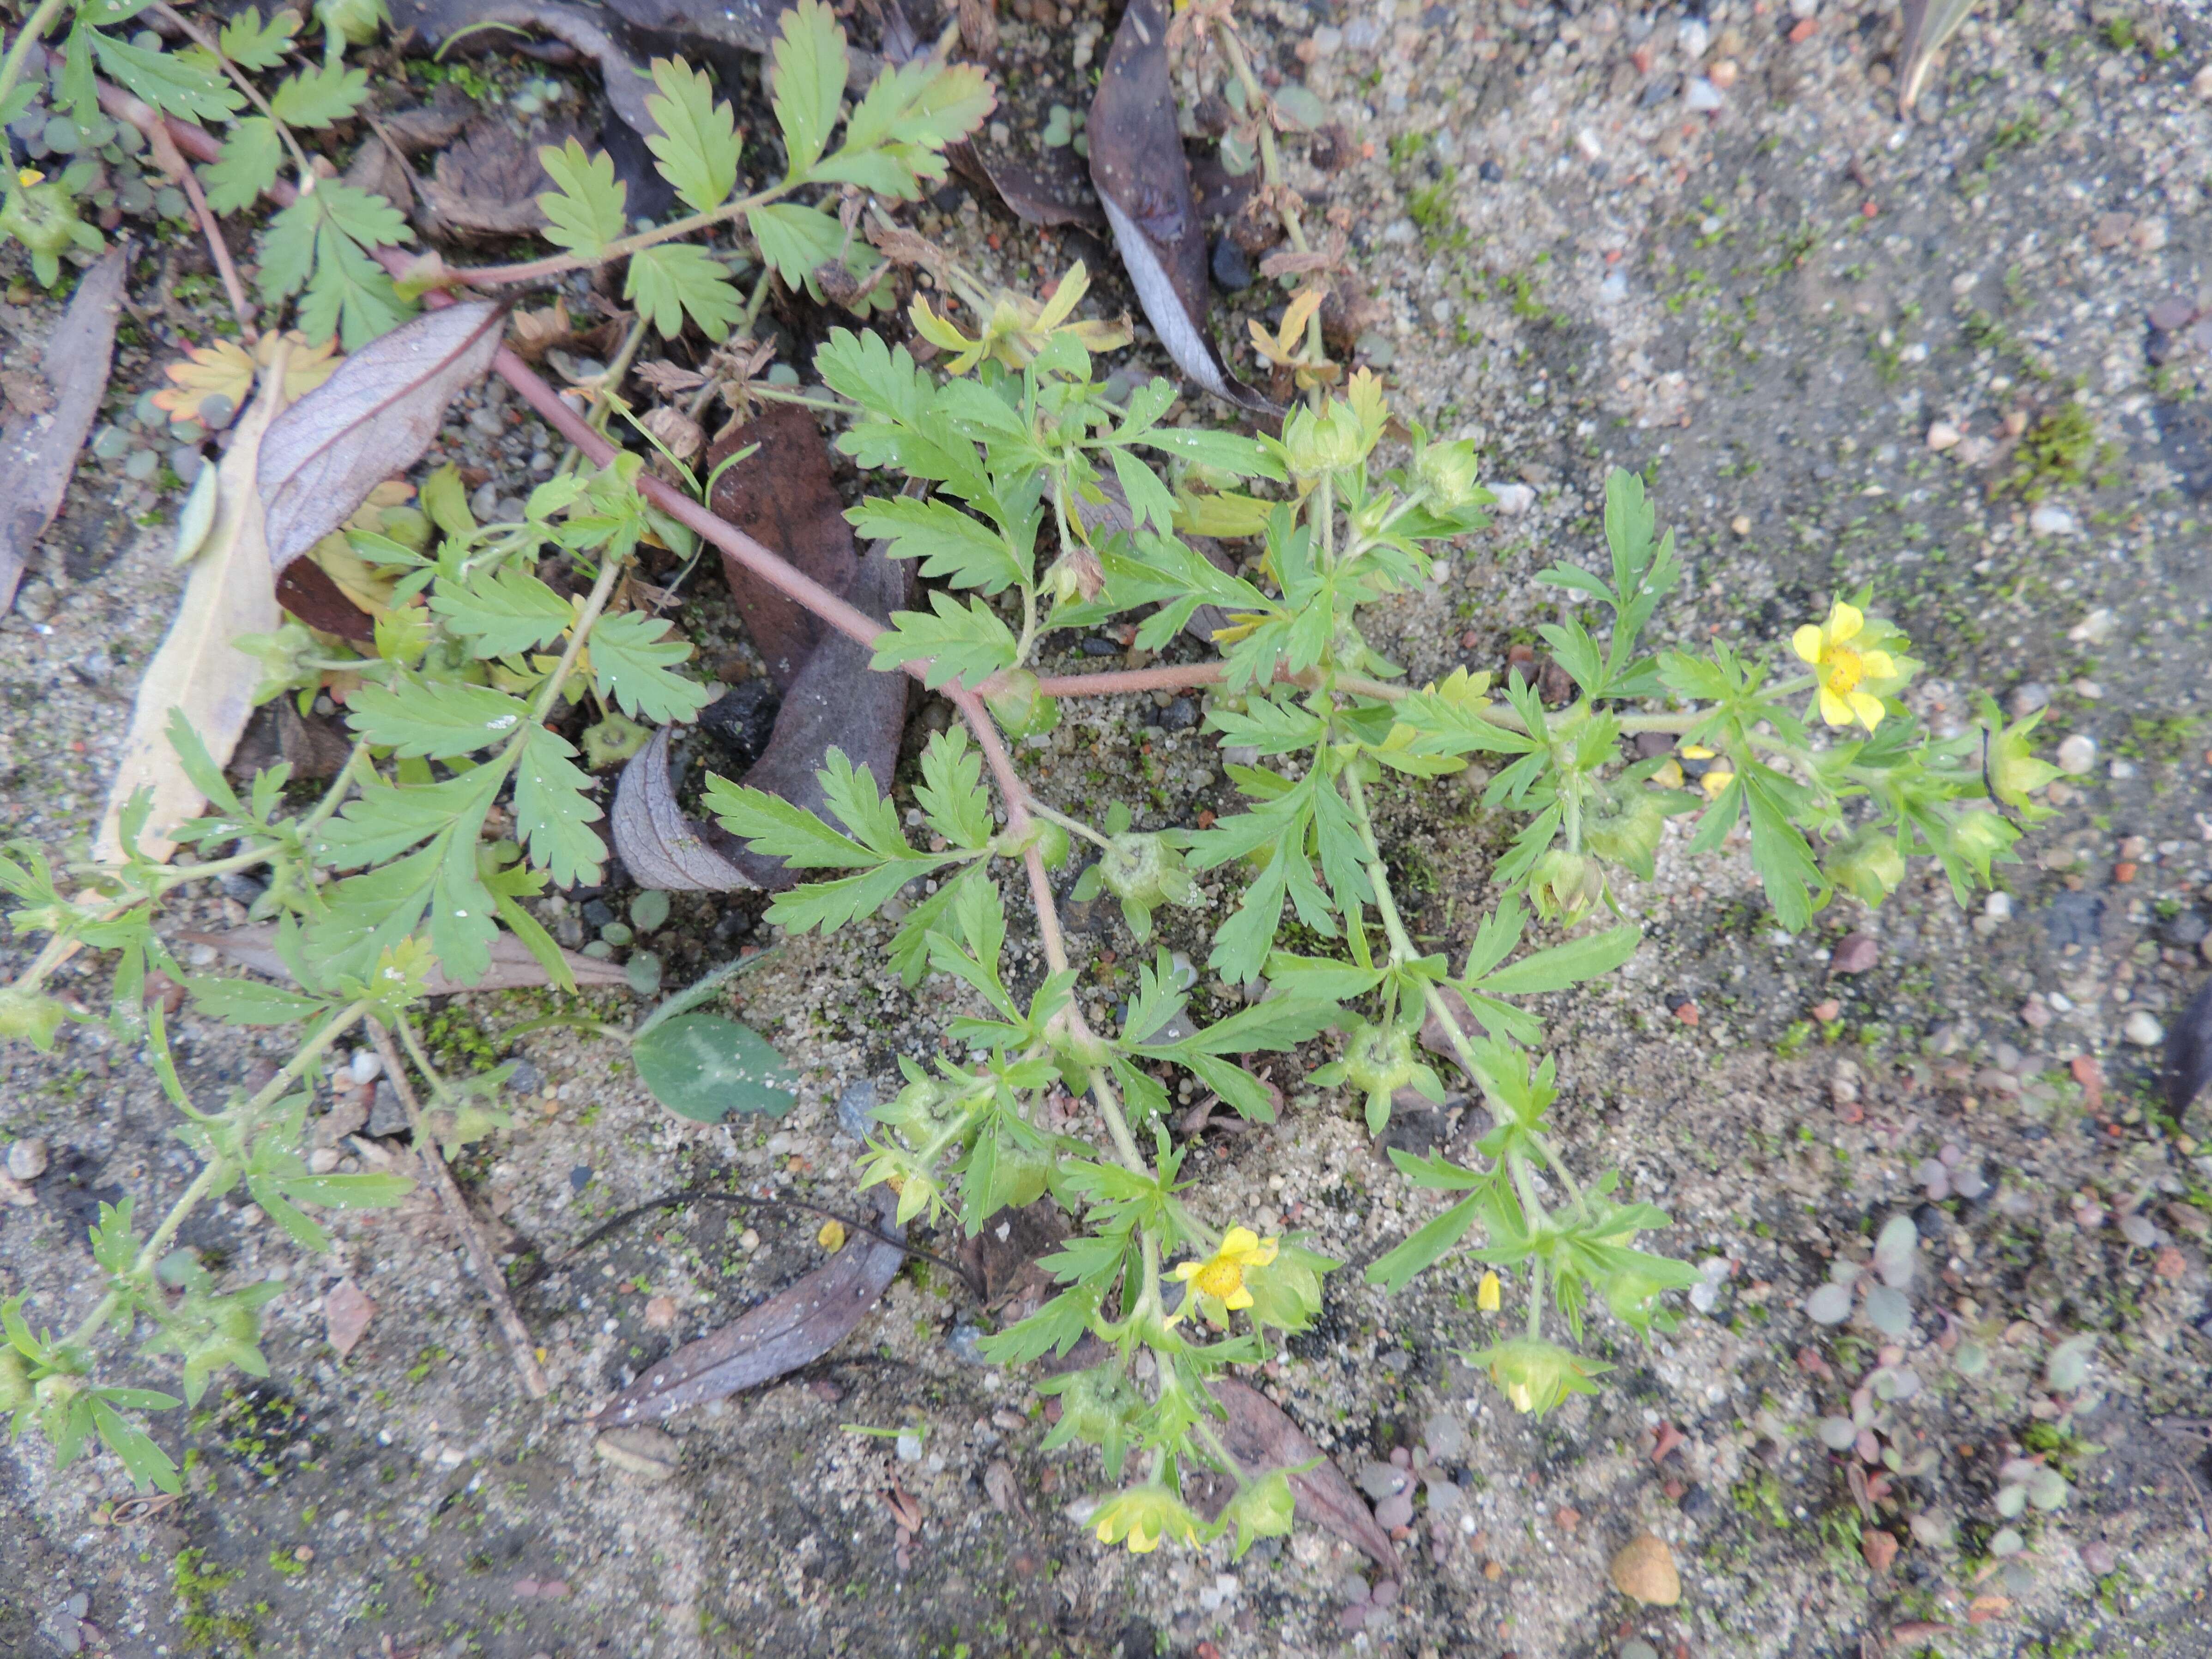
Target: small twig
x: 520, y: 1348
x: 172, y: 162
x: 707, y: 1194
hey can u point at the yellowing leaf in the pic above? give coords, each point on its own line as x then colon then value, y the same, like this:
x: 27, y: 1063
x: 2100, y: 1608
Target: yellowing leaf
x: 225, y: 369
x: 1226, y: 515
x: 355, y: 577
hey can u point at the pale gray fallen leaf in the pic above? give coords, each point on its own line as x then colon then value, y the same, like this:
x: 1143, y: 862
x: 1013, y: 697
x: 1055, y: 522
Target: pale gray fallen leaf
x: 370, y: 420
x: 199, y: 672
x: 512, y: 967
x: 38, y: 450
x: 196, y: 517
x: 791, y: 1329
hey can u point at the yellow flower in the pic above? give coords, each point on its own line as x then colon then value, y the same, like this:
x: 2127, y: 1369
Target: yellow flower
x: 1840, y: 669
x: 29, y: 176
x: 1715, y: 780
x: 1488, y: 1295
x: 1143, y: 1515
x: 1222, y: 1276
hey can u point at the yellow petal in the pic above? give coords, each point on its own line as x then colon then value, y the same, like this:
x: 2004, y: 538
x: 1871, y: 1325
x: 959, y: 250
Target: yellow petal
x: 1237, y: 1242
x: 1264, y: 1254
x: 1867, y: 708
x: 1697, y: 751
x: 1715, y: 782
x: 1844, y: 621
x: 1239, y: 1298
x: 1833, y: 708
x: 1877, y: 664
x: 1488, y: 1294
x: 1806, y: 642
x: 1188, y: 1270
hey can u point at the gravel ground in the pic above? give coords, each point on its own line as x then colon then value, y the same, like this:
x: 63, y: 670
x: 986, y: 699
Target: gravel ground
x: 1844, y: 351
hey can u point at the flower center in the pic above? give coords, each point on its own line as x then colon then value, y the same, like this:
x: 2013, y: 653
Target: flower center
x: 1844, y: 669
x: 1219, y: 1278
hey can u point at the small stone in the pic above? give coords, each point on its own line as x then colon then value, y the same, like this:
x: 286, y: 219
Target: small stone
x: 1444, y: 1436
x: 2149, y: 235
x: 1514, y: 499
x: 908, y: 1446
x: 661, y: 1313
x: 1741, y: 524
x: 2202, y: 85
x: 2095, y: 628
x: 1701, y: 96
x: 1943, y: 435
x: 1724, y: 74
x: 27, y: 1160
x: 2143, y: 1030
x: 1645, y: 1571
x: 1382, y: 1481
x: 365, y: 1066
x: 2051, y: 519
x: 1637, y: 1648
x: 1231, y: 269
x: 650, y: 1453
x: 855, y: 1107
x: 2077, y: 755
x: 2026, y: 699
x: 1856, y: 954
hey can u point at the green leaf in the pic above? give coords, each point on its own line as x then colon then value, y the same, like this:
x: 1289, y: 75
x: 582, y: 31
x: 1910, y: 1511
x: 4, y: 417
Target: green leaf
x: 1563, y: 965
x: 349, y: 295
x: 251, y: 158
x: 166, y: 80
x: 253, y: 44
x: 502, y: 614
x: 697, y: 148
x: 1056, y: 1327
x: 414, y: 717
x: 951, y: 545
x: 829, y: 905
x: 553, y: 808
x: 950, y: 793
x: 630, y: 661
x: 897, y: 134
x: 320, y: 97
x: 1778, y: 849
x: 808, y: 82
x: 1396, y: 1269
x: 668, y: 281
x: 968, y: 642
x: 780, y: 829
x: 703, y: 1067
x: 249, y: 1002
x: 148, y: 1464
x: 350, y: 1192
x: 320, y: 243
x: 795, y: 238
x: 589, y: 209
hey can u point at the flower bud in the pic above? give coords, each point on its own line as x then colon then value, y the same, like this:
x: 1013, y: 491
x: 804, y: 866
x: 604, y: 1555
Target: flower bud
x: 1144, y: 870
x: 357, y: 21
x: 1868, y: 866
x: 1626, y: 826
x: 29, y: 1016
x: 1323, y: 440
x: 2015, y: 773
x: 1446, y: 471
x: 43, y: 218
x: 1565, y: 884
x: 1144, y: 1516
x: 1020, y: 709
x: 1536, y: 1375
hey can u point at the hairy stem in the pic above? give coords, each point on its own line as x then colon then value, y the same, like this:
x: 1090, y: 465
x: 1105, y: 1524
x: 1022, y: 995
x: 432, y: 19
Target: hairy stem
x: 559, y: 264
x: 213, y: 1172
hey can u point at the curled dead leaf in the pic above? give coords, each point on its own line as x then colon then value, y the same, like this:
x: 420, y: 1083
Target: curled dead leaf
x: 676, y: 430
x: 1260, y: 1437
x: 512, y: 967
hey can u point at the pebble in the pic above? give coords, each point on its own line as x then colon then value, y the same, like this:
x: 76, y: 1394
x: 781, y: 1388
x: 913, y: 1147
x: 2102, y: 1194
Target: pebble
x: 1382, y: 1481
x: 2202, y: 86
x: 1513, y: 499
x: 2077, y: 755
x: 2051, y: 519
x: 1692, y: 36
x: 651, y: 1453
x: 365, y: 1066
x: 1801, y: 10
x: 2143, y: 1030
x: 2094, y: 628
x: 1231, y: 267
x: 908, y: 1447
x: 2027, y: 698
x: 1701, y: 96
x: 854, y: 1107
x: 27, y: 1160
x: 1943, y: 435
x: 1645, y: 1571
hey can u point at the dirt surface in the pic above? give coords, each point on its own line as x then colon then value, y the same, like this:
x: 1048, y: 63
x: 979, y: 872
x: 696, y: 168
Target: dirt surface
x: 1780, y: 308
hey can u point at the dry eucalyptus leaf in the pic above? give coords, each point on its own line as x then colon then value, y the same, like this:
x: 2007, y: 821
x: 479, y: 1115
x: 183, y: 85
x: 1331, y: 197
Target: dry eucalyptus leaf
x: 38, y: 450
x: 512, y: 967
x: 1928, y: 25
x: 372, y: 419
x: 1260, y: 1437
x: 676, y: 429
x: 661, y: 844
x: 536, y: 330
x: 489, y: 179
x: 788, y: 1330
x: 199, y: 672
x: 1137, y: 164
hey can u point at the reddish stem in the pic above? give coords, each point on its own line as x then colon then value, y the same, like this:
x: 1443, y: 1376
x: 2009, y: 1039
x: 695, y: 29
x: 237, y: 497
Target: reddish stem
x: 1166, y: 678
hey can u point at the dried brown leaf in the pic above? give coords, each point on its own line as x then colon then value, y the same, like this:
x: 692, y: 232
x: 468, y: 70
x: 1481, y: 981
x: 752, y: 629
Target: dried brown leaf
x: 785, y: 497
x: 667, y: 379
x: 346, y: 1312
x: 1143, y: 179
x: 676, y: 429
x: 38, y: 450
x: 489, y: 181
x: 2188, y: 1052
x: 661, y: 844
x: 788, y: 1330
x: 199, y: 671
x: 1260, y: 1437
x: 512, y: 967
x: 537, y: 331
x: 374, y: 418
